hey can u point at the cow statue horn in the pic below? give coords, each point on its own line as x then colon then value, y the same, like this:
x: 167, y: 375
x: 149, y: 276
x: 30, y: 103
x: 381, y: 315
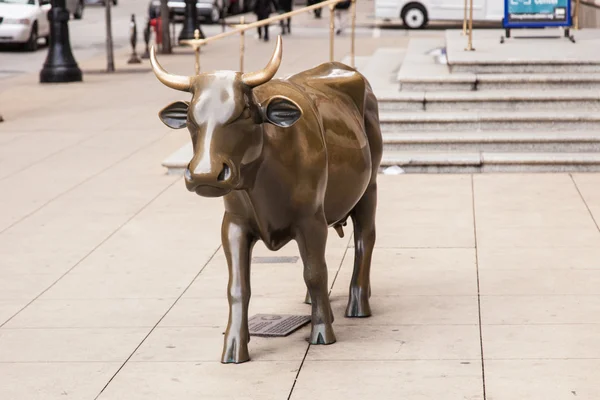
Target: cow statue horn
x: 256, y: 78
x: 176, y: 82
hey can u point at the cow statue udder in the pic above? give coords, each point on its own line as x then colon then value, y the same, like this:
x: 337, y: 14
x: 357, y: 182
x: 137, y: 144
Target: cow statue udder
x: 291, y: 158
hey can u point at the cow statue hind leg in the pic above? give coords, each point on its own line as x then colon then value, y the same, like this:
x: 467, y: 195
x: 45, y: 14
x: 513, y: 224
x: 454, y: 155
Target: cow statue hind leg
x: 312, y: 239
x: 363, y: 218
x: 237, y: 245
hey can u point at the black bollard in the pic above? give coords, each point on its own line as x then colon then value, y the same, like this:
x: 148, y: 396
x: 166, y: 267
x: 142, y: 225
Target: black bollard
x: 190, y: 21
x: 60, y: 65
x: 147, y: 41
x: 134, y: 59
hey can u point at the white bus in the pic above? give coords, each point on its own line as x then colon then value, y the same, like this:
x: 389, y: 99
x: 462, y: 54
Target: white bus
x: 416, y: 14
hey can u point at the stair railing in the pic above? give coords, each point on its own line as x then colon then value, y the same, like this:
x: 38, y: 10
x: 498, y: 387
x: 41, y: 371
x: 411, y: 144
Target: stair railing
x: 242, y: 27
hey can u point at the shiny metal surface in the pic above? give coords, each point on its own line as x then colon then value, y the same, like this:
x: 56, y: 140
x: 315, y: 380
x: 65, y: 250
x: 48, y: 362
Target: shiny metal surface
x: 291, y: 158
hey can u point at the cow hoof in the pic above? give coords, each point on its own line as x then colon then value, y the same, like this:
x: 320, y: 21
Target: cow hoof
x: 322, y: 334
x: 235, y: 351
x: 358, y: 306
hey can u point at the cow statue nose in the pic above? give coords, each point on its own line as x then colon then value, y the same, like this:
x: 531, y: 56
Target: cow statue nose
x: 219, y: 175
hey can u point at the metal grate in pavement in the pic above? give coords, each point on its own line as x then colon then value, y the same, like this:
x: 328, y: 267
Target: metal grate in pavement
x: 275, y: 260
x: 273, y: 325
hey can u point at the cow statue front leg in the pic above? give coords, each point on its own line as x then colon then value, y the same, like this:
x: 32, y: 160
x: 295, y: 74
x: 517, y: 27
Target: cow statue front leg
x: 312, y: 239
x: 237, y: 244
x: 363, y: 218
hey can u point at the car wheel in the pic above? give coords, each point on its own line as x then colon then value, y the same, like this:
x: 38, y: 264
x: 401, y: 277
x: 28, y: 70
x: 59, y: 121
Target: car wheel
x: 32, y: 43
x: 414, y: 16
x: 79, y: 10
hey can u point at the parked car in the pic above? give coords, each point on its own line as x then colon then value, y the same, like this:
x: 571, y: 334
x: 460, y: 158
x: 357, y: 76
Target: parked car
x: 416, y: 14
x: 208, y: 10
x: 26, y: 21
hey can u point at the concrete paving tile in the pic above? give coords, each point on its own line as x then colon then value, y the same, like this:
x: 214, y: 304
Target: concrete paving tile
x: 540, y: 341
x: 69, y: 345
x: 24, y: 286
x: 402, y: 342
x: 34, y: 147
x: 425, y: 228
x: 54, y: 381
x: 45, y: 242
x: 196, y: 344
x: 539, y: 258
x: 416, y: 272
x: 541, y: 218
x: 64, y: 171
x: 540, y: 310
x: 538, y: 237
x: 151, y: 285
x: 214, y: 312
x: 442, y: 236
x: 110, y: 313
x: 412, y: 310
x: 588, y: 187
x: 9, y: 307
x: 539, y: 282
x: 542, y: 379
x: 525, y: 193
x: 458, y: 219
x: 414, y: 380
x: 188, y: 380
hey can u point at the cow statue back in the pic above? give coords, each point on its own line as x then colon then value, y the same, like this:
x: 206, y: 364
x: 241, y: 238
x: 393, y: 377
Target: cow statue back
x: 291, y: 158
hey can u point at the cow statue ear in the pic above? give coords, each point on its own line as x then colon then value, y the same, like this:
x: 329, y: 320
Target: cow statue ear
x: 281, y: 111
x: 175, y: 114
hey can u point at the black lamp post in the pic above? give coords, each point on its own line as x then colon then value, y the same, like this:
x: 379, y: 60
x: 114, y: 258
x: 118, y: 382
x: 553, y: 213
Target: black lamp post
x: 60, y: 65
x: 190, y: 21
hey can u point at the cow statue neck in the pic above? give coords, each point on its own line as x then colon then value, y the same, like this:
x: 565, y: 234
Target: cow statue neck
x: 291, y: 158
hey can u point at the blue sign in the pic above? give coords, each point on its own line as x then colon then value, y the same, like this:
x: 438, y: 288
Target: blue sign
x: 536, y: 13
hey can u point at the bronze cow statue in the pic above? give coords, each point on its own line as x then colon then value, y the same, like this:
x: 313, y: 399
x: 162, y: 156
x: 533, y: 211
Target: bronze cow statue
x: 291, y: 157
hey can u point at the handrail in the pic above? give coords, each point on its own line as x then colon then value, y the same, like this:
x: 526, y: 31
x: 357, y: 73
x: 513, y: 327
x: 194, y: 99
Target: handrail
x: 196, y: 43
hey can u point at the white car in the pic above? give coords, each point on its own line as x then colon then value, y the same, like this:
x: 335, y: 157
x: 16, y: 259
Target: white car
x: 416, y: 14
x: 25, y: 21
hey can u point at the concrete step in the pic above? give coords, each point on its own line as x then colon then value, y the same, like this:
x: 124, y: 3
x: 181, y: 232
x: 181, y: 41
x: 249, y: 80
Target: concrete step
x: 510, y: 100
x: 590, y: 81
x: 394, y: 122
x: 481, y: 162
x: 525, y: 53
x: 468, y: 82
x: 500, y: 141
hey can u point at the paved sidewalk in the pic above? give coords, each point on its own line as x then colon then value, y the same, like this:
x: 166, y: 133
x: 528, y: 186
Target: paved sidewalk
x: 113, y: 282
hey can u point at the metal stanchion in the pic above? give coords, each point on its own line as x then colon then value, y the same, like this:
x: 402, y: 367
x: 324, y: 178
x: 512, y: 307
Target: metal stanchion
x: 470, y: 44
x: 576, y: 16
x: 242, y: 44
x: 134, y: 59
x: 147, y: 41
x: 464, y: 32
x: 331, y: 30
x: 197, y: 51
x: 352, y: 39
